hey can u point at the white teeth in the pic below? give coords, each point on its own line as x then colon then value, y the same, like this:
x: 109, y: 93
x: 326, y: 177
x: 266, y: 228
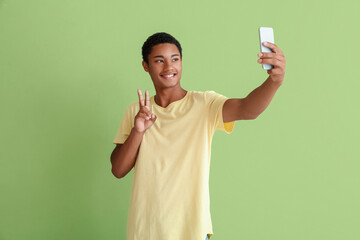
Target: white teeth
x: 169, y: 75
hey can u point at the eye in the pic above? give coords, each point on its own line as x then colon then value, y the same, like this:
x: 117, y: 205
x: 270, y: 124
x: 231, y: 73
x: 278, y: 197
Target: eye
x: 158, y: 61
x: 175, y: 59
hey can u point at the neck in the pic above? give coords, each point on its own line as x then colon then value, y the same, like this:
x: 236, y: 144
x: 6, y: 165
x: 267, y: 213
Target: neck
x: 164, y: 97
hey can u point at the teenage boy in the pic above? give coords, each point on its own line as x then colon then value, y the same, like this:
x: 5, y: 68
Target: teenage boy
x: 167, y: 139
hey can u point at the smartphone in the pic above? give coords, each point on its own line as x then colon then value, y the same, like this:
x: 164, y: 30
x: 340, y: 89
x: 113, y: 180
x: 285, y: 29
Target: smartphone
x: 266, y: 35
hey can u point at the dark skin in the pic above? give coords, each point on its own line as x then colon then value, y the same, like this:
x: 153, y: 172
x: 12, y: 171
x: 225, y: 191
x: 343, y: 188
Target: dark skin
x: 164, y: 59
x: 165, y: 67
x: 258, y: 100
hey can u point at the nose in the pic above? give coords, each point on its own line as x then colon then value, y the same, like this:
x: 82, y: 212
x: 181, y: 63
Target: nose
x: 168, y: 65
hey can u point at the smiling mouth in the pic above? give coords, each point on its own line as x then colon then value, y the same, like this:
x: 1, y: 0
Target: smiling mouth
x: 168, y: 76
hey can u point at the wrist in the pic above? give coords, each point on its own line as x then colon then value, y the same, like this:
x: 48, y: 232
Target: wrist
x: 276, y: 81
x: 135, y: 131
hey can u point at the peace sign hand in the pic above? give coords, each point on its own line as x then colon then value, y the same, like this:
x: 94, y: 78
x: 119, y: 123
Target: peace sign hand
x: 144, y: 119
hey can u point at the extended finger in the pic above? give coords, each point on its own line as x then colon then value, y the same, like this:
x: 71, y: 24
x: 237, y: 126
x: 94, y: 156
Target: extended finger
x: 147, y: 99
x: 141, y: 98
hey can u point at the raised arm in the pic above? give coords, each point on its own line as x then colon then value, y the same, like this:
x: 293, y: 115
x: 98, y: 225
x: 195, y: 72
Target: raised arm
x: 259, y: 99
x: 124, y: 156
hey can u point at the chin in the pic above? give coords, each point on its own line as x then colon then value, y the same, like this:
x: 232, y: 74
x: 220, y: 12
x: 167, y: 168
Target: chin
x: 163, y: 85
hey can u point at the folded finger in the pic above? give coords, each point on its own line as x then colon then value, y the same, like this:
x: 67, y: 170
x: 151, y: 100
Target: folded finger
x: 153, y: 118
x: 272, y: 61
x: 273, y: 47
x: 144, y: 115
x: 145, y: 111
x: 270, y: 55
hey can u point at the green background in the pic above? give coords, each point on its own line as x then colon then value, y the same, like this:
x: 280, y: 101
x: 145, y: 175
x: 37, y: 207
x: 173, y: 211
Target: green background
x: 68, y: 69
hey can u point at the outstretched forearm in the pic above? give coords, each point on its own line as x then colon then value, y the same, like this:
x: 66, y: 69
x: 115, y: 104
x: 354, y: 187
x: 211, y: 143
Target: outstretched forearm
x: 259, y: 99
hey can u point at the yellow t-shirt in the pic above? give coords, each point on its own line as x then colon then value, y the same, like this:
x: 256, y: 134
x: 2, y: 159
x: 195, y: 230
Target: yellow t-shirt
x: 170, y: 189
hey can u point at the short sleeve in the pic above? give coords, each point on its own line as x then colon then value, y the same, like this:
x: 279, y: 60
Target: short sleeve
x: 126, y: 125
x: 215, y: 103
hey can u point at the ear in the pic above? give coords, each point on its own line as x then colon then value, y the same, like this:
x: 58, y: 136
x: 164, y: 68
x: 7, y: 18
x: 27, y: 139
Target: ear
x: 145, y: 66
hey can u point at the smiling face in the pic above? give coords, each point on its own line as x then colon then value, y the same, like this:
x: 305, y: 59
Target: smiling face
x: 165, y: 66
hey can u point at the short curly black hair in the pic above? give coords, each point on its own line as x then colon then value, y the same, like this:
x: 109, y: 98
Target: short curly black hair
x: 157, y: 38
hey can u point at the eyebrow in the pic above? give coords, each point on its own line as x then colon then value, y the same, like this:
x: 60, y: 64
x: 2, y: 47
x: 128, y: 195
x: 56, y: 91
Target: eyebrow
x: 161, y: 56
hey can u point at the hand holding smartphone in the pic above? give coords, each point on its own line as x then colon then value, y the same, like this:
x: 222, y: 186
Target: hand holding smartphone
x: 266, y: 34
